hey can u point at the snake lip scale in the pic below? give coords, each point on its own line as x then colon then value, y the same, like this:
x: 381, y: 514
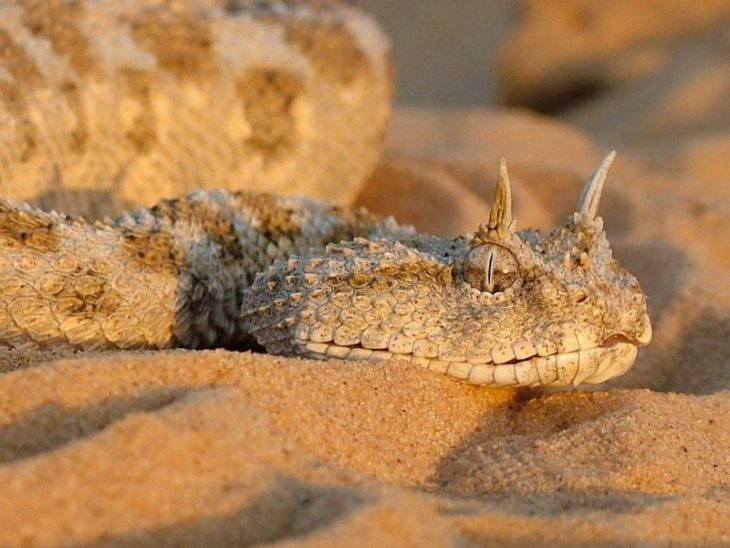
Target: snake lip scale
x: 581, y: 366
x: 572, y: 368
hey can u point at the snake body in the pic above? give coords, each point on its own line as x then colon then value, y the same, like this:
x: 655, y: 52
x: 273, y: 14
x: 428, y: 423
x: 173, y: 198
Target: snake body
x: 108, y: 105
x: 298, y: 276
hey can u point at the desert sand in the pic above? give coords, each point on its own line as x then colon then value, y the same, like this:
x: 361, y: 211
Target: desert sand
x: 223, y: 448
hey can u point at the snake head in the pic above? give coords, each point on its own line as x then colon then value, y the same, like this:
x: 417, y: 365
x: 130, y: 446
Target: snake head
x: 497, y: 307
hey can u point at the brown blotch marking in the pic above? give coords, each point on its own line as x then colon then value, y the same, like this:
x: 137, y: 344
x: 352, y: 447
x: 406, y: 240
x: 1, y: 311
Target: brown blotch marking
x: 267, y: 97
x: 26, y: 231
x: 143, y: 132
x: 331, y: 49
x: 25, y: 77
x: 274, y: 220
x: 154, y: 248
x: 216, y: 221
x: 17, y: 63
x: 80, y: 134
x: 180, y: 40
x: 153, y: 243
x: 59, y: 21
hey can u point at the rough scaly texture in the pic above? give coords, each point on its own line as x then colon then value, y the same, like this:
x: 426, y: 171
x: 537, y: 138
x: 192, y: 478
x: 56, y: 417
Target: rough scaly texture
x: 108, y: 105
x: 496, y: 307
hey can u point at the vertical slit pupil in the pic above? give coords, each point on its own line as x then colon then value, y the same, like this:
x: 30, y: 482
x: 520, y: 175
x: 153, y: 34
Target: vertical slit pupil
x: 490, y: 271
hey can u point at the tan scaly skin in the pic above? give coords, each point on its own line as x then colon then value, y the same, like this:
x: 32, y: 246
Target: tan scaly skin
x: 496, y: 307
x: 110, y: 105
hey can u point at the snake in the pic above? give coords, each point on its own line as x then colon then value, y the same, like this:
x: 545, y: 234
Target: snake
x: 177, y: 137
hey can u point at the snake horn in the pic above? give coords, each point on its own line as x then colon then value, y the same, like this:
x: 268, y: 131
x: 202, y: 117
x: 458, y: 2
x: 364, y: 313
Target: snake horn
x: 500, y: 216
x: 590, y: 197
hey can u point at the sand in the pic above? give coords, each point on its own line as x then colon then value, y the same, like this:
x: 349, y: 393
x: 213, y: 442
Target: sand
x: 221, y: 448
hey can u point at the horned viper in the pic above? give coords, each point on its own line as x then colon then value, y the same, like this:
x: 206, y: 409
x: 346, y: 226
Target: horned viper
x: 224, y: 268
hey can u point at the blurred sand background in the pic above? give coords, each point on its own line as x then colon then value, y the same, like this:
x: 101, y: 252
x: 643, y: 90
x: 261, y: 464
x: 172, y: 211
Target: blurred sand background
x: 219, y: 448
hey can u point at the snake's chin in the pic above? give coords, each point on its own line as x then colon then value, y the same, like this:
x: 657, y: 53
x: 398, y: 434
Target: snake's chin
x: 592, y: 366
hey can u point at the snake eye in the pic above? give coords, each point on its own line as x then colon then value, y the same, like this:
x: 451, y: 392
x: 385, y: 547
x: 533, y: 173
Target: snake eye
x: 491, y: 268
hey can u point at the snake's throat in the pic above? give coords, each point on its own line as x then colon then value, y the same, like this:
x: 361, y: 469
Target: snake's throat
x: 591, y: 366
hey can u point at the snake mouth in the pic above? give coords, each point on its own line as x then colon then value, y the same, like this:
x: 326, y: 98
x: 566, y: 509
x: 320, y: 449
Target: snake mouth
x: 594, y: 365
x: 618, y: 338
